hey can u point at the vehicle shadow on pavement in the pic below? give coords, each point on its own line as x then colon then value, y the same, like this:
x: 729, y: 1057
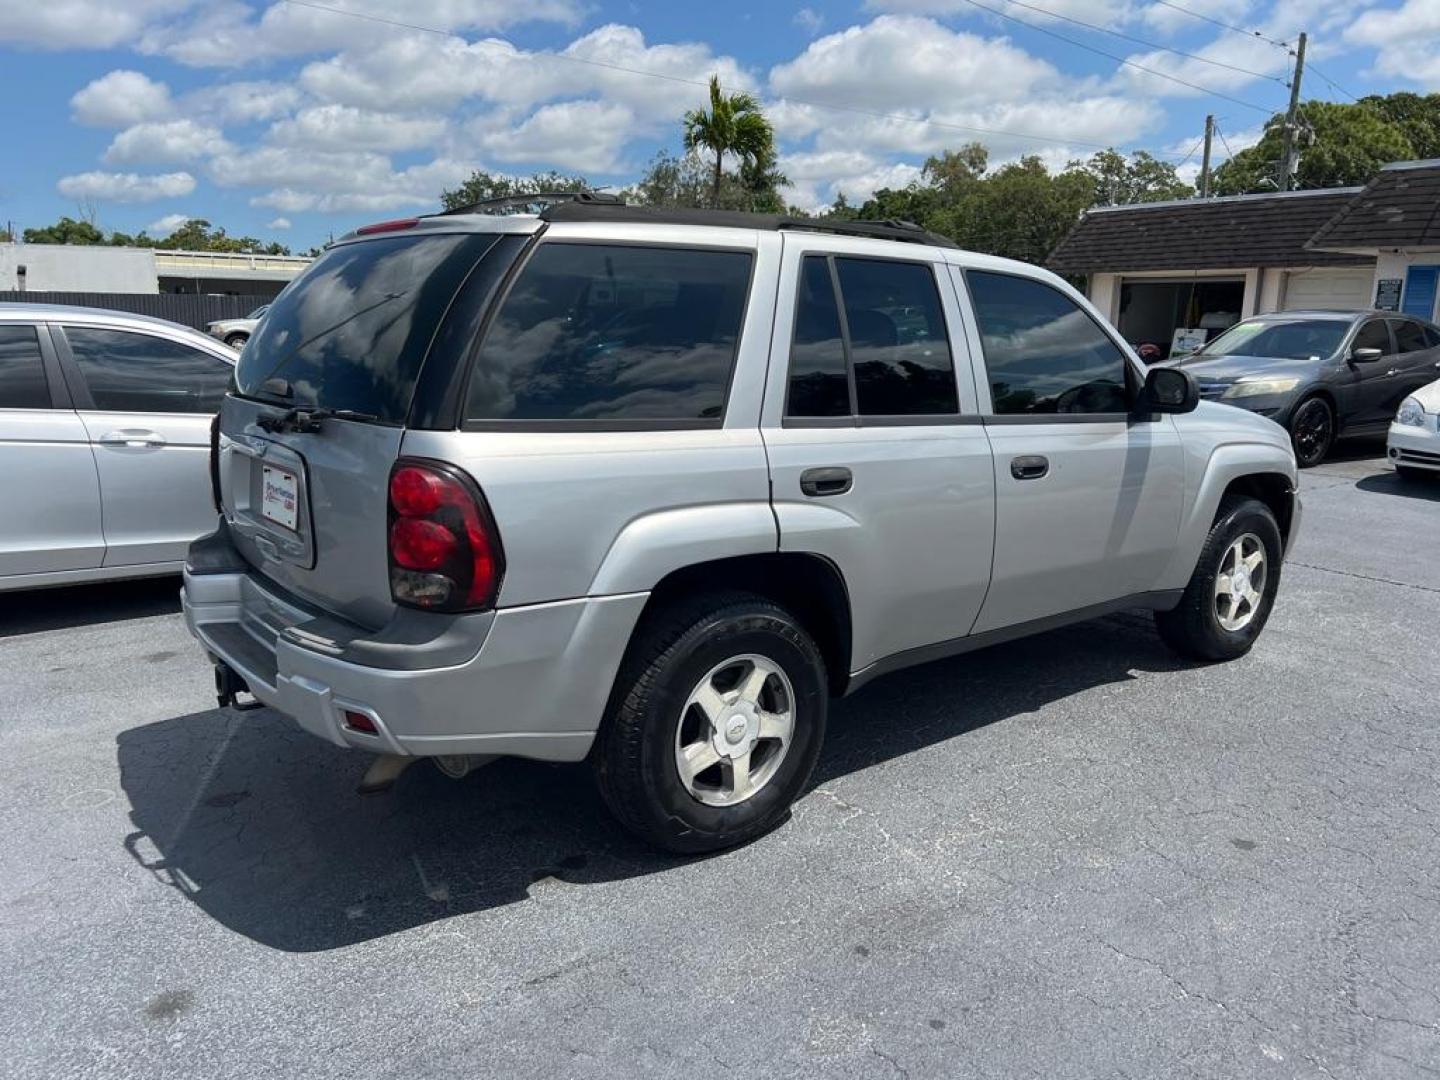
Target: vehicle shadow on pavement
x: 34, y: 610
x: 259, y: 824
x: 1392, y: 483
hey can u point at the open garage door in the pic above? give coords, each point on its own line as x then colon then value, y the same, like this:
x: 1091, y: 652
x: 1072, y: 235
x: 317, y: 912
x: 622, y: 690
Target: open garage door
x: 1346, y: 288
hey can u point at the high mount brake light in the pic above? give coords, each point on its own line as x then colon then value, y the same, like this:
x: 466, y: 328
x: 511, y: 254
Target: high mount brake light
x: 387, y: 226
x: 444, y: 549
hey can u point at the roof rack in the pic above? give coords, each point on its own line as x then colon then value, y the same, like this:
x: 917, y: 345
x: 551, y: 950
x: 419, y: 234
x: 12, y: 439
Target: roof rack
x: 506, y: 204
x: 613, y: 208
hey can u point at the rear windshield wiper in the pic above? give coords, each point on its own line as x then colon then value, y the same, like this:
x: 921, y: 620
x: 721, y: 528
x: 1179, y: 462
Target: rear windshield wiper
x: 308, y: 421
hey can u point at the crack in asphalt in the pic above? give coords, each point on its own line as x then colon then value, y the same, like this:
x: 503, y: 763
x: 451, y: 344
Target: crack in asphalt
x: 1362, y: 577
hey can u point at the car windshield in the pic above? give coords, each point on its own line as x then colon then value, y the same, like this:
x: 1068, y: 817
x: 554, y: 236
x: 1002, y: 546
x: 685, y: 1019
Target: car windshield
x: 1301, y: 339
x: 259, y: 312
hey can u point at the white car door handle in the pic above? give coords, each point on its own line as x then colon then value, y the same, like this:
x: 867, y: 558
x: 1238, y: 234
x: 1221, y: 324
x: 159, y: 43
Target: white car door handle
x: 132, y: 437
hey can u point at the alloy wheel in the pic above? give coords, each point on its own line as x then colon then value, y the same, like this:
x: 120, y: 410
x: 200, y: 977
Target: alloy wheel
x: 734, y: 730
x: 1240, y: 585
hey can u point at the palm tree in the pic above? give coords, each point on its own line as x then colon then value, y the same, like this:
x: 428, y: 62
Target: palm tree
x: 735, y: 125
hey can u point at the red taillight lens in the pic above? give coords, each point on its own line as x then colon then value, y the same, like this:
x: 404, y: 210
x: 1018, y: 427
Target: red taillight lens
x: 444, y: 550
x: 418, y: 544
x: 358, y: 721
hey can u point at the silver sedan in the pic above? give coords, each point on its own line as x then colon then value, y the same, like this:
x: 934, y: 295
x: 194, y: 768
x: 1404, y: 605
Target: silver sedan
x: 104, y: 443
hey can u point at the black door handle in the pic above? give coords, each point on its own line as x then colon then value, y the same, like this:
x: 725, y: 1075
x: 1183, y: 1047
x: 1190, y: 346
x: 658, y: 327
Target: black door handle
x: 1029, y: 467
x: 835, y: 480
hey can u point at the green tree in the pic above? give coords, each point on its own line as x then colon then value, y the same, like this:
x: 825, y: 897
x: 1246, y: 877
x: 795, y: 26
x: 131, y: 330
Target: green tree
x: 481, y: 186
x: 1418, y: 116
x: 1140, y: 178
x: 1340, y: 146
x: 65, y: 231
x: 733, y: 125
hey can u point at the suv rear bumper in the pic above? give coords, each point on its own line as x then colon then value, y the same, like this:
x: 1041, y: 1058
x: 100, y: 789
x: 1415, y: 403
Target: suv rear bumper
x: 527, y: 681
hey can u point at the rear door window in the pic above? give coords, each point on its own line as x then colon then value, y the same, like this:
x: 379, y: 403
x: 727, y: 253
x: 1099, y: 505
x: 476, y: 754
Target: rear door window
x: 892, y: 343
x: 133, y: 372
x: 1409, y: 335
x: 22, y: 372
x: 1043, y: 352
x: 614, y: 333
x: 352, y: 331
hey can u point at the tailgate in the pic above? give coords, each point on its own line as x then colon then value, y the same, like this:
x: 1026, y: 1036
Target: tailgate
x: 321, y: 532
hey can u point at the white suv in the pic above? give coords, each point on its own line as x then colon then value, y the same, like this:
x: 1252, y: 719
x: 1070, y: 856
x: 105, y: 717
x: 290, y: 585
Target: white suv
x: 651, y: 487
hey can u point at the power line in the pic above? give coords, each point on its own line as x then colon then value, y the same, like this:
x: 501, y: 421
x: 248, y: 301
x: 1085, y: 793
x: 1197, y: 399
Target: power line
x: 1224, y: 25
x: 1191, y: 154
x: 1118, y: 59
x: 833, y: 106
x: 1310, y: 64
x: 1224, y: 141
x: 1142, y: 41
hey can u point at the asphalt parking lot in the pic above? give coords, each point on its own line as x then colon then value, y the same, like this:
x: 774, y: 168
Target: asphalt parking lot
x: 1069, y: 857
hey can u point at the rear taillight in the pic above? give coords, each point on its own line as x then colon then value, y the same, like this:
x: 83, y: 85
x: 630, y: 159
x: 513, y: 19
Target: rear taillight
x: 387, y: 226
x: 444, y: 550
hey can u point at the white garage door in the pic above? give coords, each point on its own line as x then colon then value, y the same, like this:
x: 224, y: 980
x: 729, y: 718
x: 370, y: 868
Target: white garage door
x: 1339, y: 287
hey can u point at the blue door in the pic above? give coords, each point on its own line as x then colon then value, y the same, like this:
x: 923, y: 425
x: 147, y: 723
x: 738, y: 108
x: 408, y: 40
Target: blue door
x: 1420, y: 286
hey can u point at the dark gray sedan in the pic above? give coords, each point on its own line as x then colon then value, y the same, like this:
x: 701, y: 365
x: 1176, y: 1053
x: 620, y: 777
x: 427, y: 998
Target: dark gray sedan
x: 1319, y: 374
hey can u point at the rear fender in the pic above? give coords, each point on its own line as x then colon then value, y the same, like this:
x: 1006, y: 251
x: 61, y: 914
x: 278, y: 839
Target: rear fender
x: 655, y: 545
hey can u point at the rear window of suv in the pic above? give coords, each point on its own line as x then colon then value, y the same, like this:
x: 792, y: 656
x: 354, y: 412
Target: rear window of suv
x: 352, y: 331
x: 614, y: 334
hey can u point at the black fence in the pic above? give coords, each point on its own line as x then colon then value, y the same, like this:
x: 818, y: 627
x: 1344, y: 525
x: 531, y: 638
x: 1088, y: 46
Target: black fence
x: 183, y: 308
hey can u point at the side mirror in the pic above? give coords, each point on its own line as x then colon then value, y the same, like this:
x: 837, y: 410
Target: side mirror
x: 1365, y: 356
x: 1170, y: 390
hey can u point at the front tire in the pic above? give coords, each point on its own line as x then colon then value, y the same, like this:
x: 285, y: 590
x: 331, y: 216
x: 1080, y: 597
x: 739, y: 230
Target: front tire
x: 715, y: 723
x: 237, y: 341
x: 1232, y: 591
x: 1312, y: 431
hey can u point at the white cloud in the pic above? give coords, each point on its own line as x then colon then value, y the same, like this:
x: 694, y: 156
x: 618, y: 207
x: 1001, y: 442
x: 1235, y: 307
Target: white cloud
x: 79, y: 24
x: 278, y: 223
x: 226, y: 34
x: 167, y: 224
x: 1169, y: 20
x: 586, y: 136
x: 1406, y: 40
x: 119, y: 99
x: 243, y: 102
x: 1096, y: 12
x: 413, y: 73
x: 126, y: 187
x: 809, y: 20
x: 817, y: 178
x: 344, y: 127
x: 164, y: 142
x: 936, y: 87
x: 301, y: 180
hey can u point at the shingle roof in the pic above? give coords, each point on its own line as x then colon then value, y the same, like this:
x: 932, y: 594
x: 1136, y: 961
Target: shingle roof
x: 1203, y: 234
x: 1398, y: 208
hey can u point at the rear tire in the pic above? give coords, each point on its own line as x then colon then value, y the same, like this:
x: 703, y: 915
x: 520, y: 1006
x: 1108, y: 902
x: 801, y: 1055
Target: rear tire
x: 673, y: 775
x: 1224, y: 608
x: 1312, y: 431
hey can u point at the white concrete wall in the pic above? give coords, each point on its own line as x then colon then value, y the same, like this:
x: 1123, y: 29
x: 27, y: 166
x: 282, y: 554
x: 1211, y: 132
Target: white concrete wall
x: 1394, y: 264
x: 1105, y: 295
x: 78, y: 268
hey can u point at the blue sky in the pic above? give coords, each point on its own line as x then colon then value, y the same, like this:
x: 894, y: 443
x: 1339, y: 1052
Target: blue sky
x: 291, y: 120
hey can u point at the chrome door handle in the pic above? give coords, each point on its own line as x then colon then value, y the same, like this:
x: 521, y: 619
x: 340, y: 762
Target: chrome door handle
x: 1029, y: 467
x: 1392, y: 371
x: 835, y: 480
x: 136, y: 438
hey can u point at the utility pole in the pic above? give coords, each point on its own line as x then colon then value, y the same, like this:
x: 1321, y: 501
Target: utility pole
x: 1289, y: 160
x: 1205, y: 158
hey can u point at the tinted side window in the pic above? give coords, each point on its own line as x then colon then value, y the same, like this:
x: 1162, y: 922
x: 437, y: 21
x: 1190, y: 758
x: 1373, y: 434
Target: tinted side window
x: 609, y: 332
x: 819, y: 383
x: 130, y: 372
x: 1409, y: 336
x: 1043, y: 353
x: 22, y: 374
x: 898, y: 340
x: 1373, y: 335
